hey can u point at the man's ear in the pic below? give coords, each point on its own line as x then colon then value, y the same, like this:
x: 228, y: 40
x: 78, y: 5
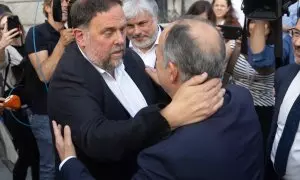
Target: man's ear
x: 79, y: 37
x: 173, y: 72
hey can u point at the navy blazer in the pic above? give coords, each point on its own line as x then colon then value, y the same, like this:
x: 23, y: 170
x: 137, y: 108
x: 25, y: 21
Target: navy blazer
x: 106, y: 138
x: 226, y: 146
x: 283, y: 78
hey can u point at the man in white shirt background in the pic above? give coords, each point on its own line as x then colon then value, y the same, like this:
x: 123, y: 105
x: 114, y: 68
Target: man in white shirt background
x: 284, y: 142
x: 142, y: 28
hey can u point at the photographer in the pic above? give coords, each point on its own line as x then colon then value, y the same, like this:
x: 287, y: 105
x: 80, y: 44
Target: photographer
x: 11, y: 54
x: 45, y: 45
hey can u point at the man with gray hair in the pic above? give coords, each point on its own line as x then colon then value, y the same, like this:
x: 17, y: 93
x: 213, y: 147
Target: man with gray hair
x: 112, y: 106
x: 142, y: 28
x: 227, y: 145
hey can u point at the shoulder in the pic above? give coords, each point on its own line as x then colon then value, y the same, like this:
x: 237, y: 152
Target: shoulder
x: 36, y: 30
x: 15, y: 56
x: 36, y: 35
x: 238, y: 91
x: 286, y: 70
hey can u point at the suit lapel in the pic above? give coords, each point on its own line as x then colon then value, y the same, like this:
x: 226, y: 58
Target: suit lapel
x: 283, y: 87
x: 136, y: 70
x: 97, y: 85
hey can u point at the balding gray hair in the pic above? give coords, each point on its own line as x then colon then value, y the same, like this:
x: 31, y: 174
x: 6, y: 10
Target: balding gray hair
x: 191, y: 57
x: 133, y: 7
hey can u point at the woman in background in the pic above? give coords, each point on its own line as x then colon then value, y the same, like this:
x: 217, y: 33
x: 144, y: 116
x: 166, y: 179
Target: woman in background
x: 202, y: 9
x: 259, y: 81
x: 225, y: 13
x: 11, y: 55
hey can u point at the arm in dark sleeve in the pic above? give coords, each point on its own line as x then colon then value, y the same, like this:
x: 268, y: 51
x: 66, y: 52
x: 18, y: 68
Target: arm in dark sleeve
x: 73, y: 169
x: 102, y: 139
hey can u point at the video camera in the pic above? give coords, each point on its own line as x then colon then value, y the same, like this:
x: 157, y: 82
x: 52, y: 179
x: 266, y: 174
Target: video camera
x: 266, y: 9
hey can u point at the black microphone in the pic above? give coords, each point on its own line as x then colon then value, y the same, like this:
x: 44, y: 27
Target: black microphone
x: 57, y: 12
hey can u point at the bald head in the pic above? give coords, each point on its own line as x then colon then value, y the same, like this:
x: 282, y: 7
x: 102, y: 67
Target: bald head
x: 195, y: 46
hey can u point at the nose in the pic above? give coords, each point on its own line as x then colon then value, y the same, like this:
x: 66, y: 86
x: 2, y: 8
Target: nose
x: 121, y: 37
x: 137, y: 30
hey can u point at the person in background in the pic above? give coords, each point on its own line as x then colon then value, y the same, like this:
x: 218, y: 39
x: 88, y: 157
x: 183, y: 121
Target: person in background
x: 290, y: 20
x: 45, y: 44
x: 283, y: 153
x: 142, y: 28
x: 259, y: 81
x: 225, y: 13
x: 202, y: 9
x: 12, y: 53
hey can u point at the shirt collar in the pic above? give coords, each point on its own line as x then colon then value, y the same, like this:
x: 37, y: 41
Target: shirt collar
x: 156, y: 41
x: 102, y: 71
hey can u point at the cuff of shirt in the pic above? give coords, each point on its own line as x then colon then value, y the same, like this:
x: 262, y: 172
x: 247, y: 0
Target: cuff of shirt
x: 64, y: 161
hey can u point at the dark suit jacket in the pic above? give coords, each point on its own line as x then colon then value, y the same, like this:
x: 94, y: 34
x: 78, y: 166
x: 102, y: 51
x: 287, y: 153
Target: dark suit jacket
x: 283, y: 78
x: 226, y: 146
x: 107, y: 139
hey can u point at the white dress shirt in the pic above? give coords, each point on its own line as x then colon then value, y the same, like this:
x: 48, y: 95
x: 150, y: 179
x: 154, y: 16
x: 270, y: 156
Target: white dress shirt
x: 148, y: 57
x: 293, y: 163
x: 123, y: 88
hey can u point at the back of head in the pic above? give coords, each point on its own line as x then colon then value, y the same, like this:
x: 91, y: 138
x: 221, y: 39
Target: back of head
x: 133, y: 7
x: 195, y: 46
x: 200, y: 7
x: 82, y: 11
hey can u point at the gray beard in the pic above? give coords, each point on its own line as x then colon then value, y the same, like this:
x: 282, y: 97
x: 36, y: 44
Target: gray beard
x: 147, y: 43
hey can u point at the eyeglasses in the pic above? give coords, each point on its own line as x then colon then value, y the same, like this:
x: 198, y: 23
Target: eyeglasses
x: 295, y: 33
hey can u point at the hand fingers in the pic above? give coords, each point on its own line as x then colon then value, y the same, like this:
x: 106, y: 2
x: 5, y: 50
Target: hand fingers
x: 13, y: 35
x: 151, y: 71
x: 218, y: 105
x: 69, y: 147
x: 12, y: 31
x: 2, y: 99
x: 67, y: 136
x: 196, y: 80
x: 217, y: 98
x: 210, y: 94
x: 211, y: 84
x: 153, y: 74
x: 57, y: 134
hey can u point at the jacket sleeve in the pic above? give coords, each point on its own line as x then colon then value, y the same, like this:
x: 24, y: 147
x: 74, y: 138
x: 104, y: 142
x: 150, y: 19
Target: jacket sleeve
x: 73, y: 169
x: 104, y: 140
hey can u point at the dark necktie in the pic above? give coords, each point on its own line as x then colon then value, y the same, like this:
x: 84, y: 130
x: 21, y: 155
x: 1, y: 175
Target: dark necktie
x: 287, y: 138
